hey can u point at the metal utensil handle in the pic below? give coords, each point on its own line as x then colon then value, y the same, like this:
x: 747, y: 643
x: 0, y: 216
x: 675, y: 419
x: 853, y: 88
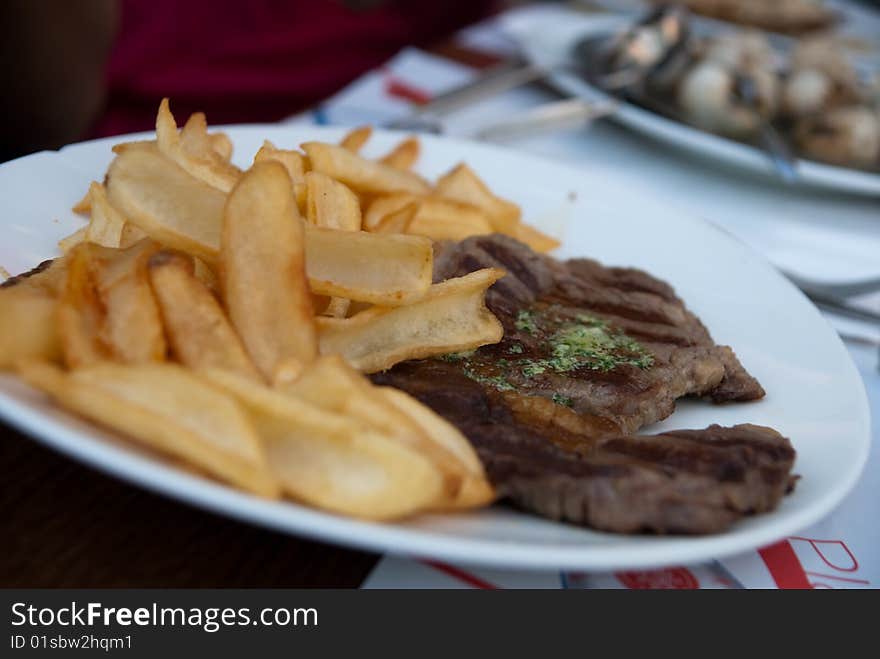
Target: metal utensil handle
x: 551, y: 116
x: 496, y: 81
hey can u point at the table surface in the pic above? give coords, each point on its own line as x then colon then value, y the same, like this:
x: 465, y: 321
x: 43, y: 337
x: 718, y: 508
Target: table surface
x: 65, y: 525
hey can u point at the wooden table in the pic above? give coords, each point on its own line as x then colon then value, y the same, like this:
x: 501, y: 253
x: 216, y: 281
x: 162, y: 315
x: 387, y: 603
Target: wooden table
x: 66, y: 525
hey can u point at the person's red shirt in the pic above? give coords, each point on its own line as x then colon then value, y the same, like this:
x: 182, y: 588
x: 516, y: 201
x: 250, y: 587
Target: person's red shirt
x: 257, y: 60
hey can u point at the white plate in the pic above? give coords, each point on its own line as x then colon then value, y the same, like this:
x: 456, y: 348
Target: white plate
x: 815, y: 395
x: 546, y: 37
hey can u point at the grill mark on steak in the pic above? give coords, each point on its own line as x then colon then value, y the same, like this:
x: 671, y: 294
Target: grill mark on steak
x: 582, y: 469
x: 582, y: 462
x: 633, y: 301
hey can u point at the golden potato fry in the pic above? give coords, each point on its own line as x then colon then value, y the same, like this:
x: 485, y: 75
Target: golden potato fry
x: 168, y: 409
x: 540, y: 242
x: 183, y: 213
x: 199, y: 159
x: 361, y: 174
x: 435, y: 217
x: 475, y: 488
x: 197, y: 328
x: 131, y: 234
x: 27, y: 314
x: 262, y: 258
x: 355, y: 139
x: 83, y: 206
x: 452, y: 316
x: 132, y: 325
x: 69, y: 242
x: 400, y: 220
x: 196, y: 141
x: 80, y: 314
x: 381, y: 207
x: 139, y: 145
x: 389, y: 270
x: 463, y: 185
x: 334, y: 386
x: 294, y: 161
x: 333, y: 462
x: 404, y: 155
x: 107, y: 310
x: 172, y: 207
x: 106, y: 224
x: 442, y: 219
x: 222, y: 145
x: 4, y: 274
x: 331, y: 204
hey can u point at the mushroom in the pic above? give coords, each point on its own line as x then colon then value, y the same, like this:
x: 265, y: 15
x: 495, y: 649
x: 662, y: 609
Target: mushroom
x: 846, y: 136
x: 719, y: 98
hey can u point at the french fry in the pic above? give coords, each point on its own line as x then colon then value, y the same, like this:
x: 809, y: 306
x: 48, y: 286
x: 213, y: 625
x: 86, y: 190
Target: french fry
x: 131, y: 234
x: 83, y: 206
x: 356, y: 265
x: 199, y: 160
x: 294, y: 162
x: 334, y: 462
x: 400, y: 220
x: 168, y: 409
x: 442, y: 219
x: 183, y: 213
x: 200, y: 335
x: 451, y: 317
x: 463, y: 185
x: 69, y: 242
x: 538, y: 241
x: 196, y: 141
x: 222, y: 145
x: 131, y: 325
x: 355, y: 139
x: 475, y: 488
x: 404, y: 155
x: 107, y: 310
x: 106, y: 224
x: 263, y: 276
x: 27, y: 315
x: 172, y: 207
x: 79, y: 314
x: 331, y: 204
x: 361, y: 174
x: 334, y: 386
x: 383, y: 206
x: 435, y: 217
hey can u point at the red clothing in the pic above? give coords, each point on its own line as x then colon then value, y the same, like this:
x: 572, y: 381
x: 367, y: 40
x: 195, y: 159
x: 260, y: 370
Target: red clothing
x: 257, y: 60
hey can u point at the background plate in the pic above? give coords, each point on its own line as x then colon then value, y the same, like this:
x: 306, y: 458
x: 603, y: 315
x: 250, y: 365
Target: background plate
x: 546, y: 38
x: 815, y: 395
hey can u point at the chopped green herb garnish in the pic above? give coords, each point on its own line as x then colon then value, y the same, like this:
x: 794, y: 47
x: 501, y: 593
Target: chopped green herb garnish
x: 525, y: 321
x: 457, y: 356
x: 515, y: 349
x: 490, y: 380
x: 559, y: 399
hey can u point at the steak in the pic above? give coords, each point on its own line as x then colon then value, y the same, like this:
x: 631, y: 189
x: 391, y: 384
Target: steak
x: 591, y: 354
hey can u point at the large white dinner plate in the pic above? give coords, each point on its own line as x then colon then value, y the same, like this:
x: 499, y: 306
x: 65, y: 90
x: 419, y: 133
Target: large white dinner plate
x: 547, y: 36
x: 814, y: 394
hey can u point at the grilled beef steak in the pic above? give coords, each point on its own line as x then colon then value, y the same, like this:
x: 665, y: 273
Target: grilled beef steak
x: 590, y: 355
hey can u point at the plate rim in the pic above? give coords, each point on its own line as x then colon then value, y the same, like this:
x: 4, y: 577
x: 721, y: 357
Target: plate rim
x: 167, y: 481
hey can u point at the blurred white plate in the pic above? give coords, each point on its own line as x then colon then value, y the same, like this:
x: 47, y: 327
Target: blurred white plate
x: 815, y: 395
x: 547, y: 36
